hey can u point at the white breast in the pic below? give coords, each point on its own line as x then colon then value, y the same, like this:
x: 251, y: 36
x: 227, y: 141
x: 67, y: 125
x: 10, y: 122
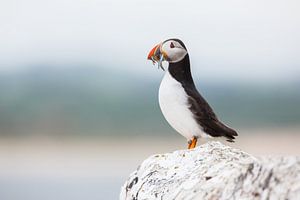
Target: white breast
x: 173, y: 102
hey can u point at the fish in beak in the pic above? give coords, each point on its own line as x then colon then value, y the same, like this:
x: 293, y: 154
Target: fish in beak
x: 157, y: 56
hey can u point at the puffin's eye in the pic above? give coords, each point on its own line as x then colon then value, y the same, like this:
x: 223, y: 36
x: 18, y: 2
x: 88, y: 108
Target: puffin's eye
x: 172, y: 45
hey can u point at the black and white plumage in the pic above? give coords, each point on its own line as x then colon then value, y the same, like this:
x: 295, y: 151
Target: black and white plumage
x: 180, y: 102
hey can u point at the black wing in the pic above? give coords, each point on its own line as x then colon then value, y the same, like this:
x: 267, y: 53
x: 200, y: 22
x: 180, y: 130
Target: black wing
x: 206, y: 118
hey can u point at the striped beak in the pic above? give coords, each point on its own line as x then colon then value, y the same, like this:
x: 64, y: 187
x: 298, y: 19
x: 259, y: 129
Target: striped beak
x: 157, y: 56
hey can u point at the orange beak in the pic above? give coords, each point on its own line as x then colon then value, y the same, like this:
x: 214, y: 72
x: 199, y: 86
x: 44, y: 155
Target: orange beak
x: 154, y: 54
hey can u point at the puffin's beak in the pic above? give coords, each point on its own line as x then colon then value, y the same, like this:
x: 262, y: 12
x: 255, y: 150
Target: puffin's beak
x: 157, y: 56
x: 154, y: 54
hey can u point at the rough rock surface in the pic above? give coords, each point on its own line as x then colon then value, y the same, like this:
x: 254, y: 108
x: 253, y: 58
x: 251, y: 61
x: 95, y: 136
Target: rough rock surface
x: 214, y: 171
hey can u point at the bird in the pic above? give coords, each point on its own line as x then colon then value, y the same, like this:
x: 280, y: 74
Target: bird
x: 181, y: 104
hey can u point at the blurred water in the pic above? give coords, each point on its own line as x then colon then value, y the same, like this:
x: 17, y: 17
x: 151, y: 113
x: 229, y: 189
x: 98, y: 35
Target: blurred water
x: 92, y: 101
x: 59, y: 189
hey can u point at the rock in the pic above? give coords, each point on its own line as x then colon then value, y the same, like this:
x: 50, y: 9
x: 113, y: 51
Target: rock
x: 214, y: 171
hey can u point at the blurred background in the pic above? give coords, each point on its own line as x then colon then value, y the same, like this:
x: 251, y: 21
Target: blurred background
x: 78, y: 104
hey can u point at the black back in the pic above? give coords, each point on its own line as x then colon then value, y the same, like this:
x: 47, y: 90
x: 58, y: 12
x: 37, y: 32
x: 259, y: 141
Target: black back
x: 202, y: 112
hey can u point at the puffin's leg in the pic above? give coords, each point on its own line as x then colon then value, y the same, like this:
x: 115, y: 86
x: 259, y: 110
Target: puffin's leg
x: 192, y: 143
x: 189, y: 144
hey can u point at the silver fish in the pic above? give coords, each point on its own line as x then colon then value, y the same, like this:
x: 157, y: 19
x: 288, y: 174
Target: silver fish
x: 160, y: 63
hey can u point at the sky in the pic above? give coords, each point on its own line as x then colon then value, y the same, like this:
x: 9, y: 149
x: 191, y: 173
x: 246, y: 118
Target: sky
x: 234, y: 39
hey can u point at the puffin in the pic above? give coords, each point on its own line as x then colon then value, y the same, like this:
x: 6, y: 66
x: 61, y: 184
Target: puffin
x: 181, y: 104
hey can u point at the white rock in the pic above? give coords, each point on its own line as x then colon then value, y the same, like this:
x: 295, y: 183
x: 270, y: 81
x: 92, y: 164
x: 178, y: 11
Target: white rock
x: 214, y: 171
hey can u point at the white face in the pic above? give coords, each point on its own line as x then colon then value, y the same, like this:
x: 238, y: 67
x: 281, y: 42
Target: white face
x: 173, y: 50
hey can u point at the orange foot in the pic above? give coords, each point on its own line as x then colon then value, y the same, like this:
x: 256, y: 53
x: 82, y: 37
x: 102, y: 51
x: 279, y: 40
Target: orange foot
x: 192, y: 143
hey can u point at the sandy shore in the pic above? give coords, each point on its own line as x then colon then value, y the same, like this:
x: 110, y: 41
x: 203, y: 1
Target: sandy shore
x: 44, y: 155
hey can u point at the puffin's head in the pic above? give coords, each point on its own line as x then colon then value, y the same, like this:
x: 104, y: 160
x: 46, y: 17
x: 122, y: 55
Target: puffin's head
x: 171, y: 50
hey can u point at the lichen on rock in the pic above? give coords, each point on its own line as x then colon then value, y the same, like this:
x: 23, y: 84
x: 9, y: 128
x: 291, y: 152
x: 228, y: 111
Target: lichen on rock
x: 213, y: 171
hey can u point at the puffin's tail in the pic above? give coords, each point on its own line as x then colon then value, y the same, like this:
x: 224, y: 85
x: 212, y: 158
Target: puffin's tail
x: 228, y: 133
x: 230, y: 136
x: 217, y: 129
